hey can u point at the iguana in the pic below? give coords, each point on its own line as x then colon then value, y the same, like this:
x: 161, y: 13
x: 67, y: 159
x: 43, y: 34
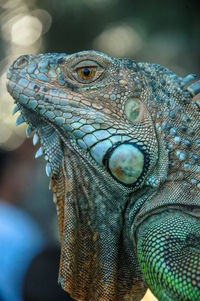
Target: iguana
x: 122, y: 142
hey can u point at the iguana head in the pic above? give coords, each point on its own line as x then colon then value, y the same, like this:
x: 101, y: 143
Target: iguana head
x: 92, y: 103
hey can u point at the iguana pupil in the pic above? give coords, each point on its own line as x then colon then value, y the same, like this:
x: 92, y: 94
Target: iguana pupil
x: 86, y: 71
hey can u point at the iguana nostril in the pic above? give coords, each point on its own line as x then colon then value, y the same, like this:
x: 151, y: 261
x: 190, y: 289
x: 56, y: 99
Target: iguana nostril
x: 21, y: 62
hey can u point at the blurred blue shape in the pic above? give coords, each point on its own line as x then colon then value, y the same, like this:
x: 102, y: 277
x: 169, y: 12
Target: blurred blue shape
x: 20, y: 240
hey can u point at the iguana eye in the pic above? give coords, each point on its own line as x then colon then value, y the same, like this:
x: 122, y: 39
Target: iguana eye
x: 87, y: 72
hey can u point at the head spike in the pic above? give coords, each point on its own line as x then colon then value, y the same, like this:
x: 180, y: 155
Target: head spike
x: 19, y: 120
x: 29, y: 131
x: 35, y: 139
x: 187, y: 79
x: 194, y: 88
x: 54, y: 197
x: 15, y: 110
x: 48, y: 170
x: 39, y: 153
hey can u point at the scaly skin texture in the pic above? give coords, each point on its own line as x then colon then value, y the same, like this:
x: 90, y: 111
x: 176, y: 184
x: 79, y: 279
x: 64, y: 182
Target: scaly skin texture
x: 122, y: 142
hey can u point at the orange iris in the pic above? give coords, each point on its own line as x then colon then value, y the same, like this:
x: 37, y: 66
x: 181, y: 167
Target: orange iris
x: 87, y: 72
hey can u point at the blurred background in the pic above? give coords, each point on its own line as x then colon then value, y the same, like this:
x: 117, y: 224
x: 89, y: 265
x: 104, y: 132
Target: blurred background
x: 164, y: 32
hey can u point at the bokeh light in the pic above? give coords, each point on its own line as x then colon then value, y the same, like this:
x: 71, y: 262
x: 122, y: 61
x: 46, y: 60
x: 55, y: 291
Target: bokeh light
x: 22, y: 29
x: 120, y: 40
x: 26, y: 30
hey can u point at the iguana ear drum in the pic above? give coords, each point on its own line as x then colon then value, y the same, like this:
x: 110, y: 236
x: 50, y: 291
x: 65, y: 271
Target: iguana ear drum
x: 127, y: 163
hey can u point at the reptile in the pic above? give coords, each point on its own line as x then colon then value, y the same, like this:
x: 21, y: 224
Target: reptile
x: 121, y: 139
